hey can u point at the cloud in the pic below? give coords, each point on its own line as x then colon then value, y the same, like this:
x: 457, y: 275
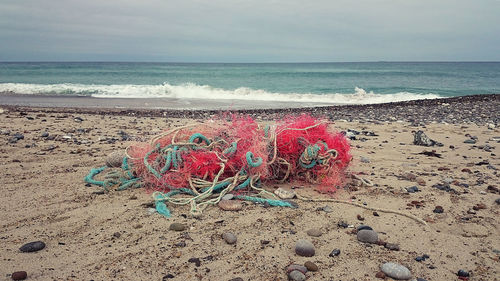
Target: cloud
x: 224, y: 30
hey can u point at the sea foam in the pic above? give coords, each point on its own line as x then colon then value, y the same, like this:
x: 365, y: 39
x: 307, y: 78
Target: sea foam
x: 194, y: 91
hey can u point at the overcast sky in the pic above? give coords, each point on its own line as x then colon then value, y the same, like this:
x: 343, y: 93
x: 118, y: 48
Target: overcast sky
x: 250, y: 31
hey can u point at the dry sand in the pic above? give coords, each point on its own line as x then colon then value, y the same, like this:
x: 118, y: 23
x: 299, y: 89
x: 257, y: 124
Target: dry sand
x: 114, y: 236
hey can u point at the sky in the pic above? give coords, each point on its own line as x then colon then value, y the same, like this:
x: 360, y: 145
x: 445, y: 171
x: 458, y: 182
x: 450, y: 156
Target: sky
x: 250, y: 31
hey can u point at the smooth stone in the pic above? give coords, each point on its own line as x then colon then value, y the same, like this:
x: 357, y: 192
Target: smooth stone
x: 315, y: 232
x: 395, y: 271
x: 304, y: 248
x: 438, y: 210
x: 298, y: 267
x: 334, y: 253
x: 296, y: 276
x: 237, y: 279
x: 228, y: 196
x: 19, y: 275
x: 177, y: 226
x: 44, y: 134
x: 365, y: 159
x: 229, y: 238
x: 367, y: 236
x: 327, y: 209
x: 32, y: 247
x: 364, y: 227
x: 311, y: 266
x: 230, y: 205
x: 115, y: 159
x: 284, y: 194
x: 470, y: 141
x: 392, y: 247
x: 463, y: 273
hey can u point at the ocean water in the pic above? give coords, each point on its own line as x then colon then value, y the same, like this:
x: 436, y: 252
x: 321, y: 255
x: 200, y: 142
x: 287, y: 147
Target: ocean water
x: 335, y: 83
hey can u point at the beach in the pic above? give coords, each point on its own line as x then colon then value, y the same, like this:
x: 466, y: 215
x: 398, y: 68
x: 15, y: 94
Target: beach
x: 91, y: 235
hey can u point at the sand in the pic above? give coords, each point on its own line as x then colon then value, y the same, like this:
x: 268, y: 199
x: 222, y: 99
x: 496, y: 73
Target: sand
x: 115, y: 236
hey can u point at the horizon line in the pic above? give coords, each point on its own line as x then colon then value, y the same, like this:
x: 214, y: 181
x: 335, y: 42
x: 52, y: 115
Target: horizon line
x: 215, y: 62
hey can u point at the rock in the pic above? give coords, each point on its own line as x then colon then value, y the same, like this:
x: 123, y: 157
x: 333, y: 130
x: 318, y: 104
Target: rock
x: 284, y: 194
x: 392, y: 247
x: 196, y: 261
x: 367, y: 236
x: 228, y: 196
x: 380, y: 275
x: 327, y: 209
x: 115, y: 159
x: 237, y: 279
x: 463, y: 273
x: 364, y: 227
x: 470, y: 141
x: 315, y: 232
x: 311, y: 266
x: 395, y: 271
x: 497, y: 201
x: 304, y: 248
x: 491, y: 126
x: 479, y: 206
x: 230, y: 205
x: 117, y: 235
x: 177, y: 226
x: 334, y: 253
x: 409, y: 176
x: 19, y: 275
x: 438, y: 210
x: 32, y: 247
x: 298, y: 267
x: 412, y: 189
x: 420, y: 138
x: 44, y: 134
x: 296, y: 276
x: 365, y: 159
x: 229, y: 238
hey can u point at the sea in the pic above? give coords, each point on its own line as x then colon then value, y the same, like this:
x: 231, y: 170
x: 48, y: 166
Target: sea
x: 325, y: 83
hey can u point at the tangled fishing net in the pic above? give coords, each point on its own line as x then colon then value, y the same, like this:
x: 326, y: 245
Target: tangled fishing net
x: 205, y: 161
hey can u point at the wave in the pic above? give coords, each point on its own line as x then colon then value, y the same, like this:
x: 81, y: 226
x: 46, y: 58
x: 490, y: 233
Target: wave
x: 194, y: 91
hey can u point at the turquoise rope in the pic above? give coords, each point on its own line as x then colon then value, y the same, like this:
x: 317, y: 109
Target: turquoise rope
x: 228, y: 152
x: 199, y: 138
x: 253, y: 162
x: 168, y: 162
x: 149, y: 167
x: 277, y: 203
x: 94, y: 172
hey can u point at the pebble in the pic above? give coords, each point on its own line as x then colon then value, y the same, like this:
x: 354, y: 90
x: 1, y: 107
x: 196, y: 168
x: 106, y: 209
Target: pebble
x: 334, y: 253
x: 396, y: 271
x: 19, y: 275
x: 115, y: 159
x: 230, y: 205
x: 470, y: 141
x: 438, y: 210
x: 367, y: 236
x: 284, y: 194
x: 237, y: 279
x: 315, y: 232
x: 196, y: 261
x: 412, y: 189
x: 177, y: 226
x: 228, y: 196
x: 463, y: 273
x: 380, y: 275
x: 327, y: 209
x: 365, y: 159
x: 44, y: 134
x: 301, y: 268
x: 304, y: 248
x: 117, y: 235
x: 421, y: 181
x: 392, y: 246
x: 32, y: 247
x: 296, y: 276
x: 229, y: 238
x: 497, y: 201
x: 311, y: 266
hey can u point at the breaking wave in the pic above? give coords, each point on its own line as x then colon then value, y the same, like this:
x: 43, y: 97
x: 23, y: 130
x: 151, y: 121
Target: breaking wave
x: 194, y: 91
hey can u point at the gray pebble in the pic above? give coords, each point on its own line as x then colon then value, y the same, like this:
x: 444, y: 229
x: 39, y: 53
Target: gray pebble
x: 365, y: 159
x: 298, y: 267
x: 229, y: 238
x: 32, y: 247
x: 296, y: 276
x: 177, y: 226
x: 315, y: 232
x: 367, y: 236
x: 396, y: 271
x: 304, y: 248
x: 228, y: 196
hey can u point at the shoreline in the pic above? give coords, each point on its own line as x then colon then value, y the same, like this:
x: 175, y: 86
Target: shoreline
x: 478, y: 109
